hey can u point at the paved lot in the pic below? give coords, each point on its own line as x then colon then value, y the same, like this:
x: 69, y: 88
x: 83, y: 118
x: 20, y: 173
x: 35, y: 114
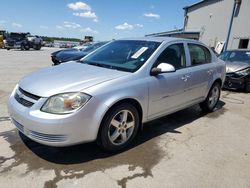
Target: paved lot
x: 185, y: 149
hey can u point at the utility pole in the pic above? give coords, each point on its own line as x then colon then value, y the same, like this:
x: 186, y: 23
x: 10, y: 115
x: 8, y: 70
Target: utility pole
x: 236, y: 4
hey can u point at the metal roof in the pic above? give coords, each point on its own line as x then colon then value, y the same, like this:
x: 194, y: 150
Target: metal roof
x: 156, y: 39
x: 198, y: 3
x: 151, y: 38
x: 178, y: 31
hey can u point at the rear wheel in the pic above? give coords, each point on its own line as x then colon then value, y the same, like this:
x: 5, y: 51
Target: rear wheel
x: 119, y: 127
x: 212, y: 99
x: 26, y: 47
x: 37, y: 47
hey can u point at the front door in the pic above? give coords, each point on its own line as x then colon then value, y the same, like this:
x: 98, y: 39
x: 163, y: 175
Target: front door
x: 167, y: 91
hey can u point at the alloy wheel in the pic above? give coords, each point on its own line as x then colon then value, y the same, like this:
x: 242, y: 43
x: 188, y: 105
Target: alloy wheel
x: 214, y: 96
x: 121, y: 127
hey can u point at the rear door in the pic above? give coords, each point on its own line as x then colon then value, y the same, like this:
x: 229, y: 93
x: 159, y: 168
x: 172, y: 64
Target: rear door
x: 201, y: 70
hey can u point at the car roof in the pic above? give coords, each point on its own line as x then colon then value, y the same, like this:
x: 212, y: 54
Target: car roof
x: 238, y: 50
x: 159, y: 39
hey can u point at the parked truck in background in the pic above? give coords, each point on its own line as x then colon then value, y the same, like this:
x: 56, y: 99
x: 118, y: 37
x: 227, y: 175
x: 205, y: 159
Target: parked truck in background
x: 23, y: 41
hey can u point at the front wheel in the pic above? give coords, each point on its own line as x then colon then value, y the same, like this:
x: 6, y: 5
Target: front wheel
x: 212, y: 98
x: 119, y: 127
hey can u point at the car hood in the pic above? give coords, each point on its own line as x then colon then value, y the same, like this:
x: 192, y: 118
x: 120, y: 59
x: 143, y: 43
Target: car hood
x: 66, y: 55
x: 236, y: 66
x: 68, y: 77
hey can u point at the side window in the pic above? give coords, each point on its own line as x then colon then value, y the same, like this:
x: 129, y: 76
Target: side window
x: 174, y: 55
x: 199, y: 55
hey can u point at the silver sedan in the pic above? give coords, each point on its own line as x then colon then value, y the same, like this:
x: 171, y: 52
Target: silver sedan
x: 111, y: 92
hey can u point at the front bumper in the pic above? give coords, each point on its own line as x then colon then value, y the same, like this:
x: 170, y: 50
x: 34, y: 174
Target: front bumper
x: 233, y: 81
x: 57, y: 130
x: 13, y: 44
x: 55, y: 61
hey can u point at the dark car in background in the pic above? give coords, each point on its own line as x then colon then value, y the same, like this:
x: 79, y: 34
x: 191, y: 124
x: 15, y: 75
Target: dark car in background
x: 74, y: 54
x: 238, y: 69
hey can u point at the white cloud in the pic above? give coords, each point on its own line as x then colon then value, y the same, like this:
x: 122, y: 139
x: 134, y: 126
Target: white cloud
x: 88, y: 30
x: 79, y: 6
x: 16, y: 25
x: 88, y: 14
x: 43, y: 27
x: 85, y: 8
x: 72, y: 25
x: 139, y: 25
x: 124, y: 26
x: 152, y: 15
x: 59, y: 27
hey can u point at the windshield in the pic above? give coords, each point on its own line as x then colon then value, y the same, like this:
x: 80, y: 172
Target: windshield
x: 124, y: 55
x: 243, y: 56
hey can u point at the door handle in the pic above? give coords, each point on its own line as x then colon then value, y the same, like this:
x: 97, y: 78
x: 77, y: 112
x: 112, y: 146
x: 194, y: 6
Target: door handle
x: 210, y: 71
x: 185, y: 78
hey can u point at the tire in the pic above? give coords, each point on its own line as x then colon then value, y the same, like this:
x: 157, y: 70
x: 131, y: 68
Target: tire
x: 247, y: 86
x: 26, y: 47
x: 37, y: 47
x: 212, y: 98
x: 22, y: 47
x: 119, y: 134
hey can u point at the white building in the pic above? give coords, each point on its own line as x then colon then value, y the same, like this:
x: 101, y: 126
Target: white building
x: 209, y: 21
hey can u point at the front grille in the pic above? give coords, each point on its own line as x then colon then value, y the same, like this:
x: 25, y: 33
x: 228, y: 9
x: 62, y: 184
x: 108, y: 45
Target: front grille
x: 18, y: 125
x: 40, y: 136
x: 23, y: 101
x: 10, y: 43
x: 47, y: 137
x: 25, y: 98
x: 233, y: 75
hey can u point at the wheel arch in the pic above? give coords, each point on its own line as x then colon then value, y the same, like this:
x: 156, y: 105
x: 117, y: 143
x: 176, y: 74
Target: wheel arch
x: 217, y: 80
x: 131, y: 101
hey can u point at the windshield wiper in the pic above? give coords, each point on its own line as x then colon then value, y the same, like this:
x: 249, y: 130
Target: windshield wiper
x: 98, y: 64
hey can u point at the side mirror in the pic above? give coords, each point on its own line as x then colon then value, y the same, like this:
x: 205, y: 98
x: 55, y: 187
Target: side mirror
x: 162, y: 68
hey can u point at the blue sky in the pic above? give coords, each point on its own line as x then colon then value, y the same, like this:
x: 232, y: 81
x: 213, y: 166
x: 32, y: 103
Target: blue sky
x: 104, y: 20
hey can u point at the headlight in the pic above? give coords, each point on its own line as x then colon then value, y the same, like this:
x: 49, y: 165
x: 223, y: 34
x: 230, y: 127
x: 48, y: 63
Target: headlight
x: 65, y: 103
x: 244, y: 72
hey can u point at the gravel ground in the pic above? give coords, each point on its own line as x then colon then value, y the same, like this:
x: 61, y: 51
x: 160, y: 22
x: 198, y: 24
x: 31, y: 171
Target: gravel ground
x: 185, y: 149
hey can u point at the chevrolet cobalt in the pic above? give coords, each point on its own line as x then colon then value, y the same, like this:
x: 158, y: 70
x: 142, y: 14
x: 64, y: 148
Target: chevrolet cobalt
x: 111, y: 92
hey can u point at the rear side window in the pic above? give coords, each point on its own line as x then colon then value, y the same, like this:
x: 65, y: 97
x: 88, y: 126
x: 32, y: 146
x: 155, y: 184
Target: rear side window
x: 199, y: 55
